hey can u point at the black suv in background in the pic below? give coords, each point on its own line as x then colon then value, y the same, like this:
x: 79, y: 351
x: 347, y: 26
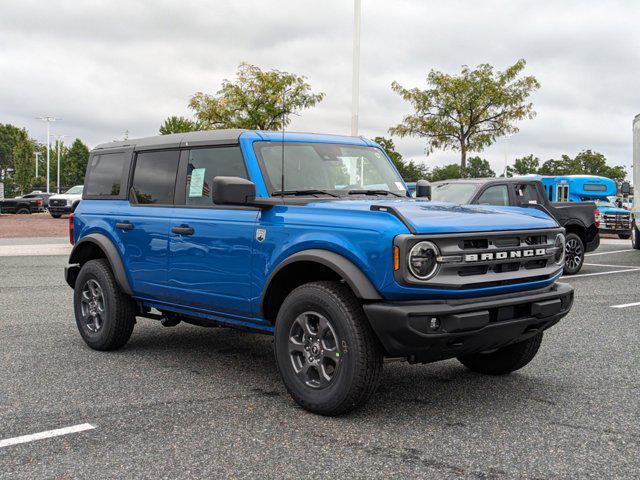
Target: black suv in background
x: 578, y: 218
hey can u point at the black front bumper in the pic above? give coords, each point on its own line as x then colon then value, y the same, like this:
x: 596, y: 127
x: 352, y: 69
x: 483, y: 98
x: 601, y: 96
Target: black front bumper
x: 463, y: 326
x: 616, y: 231
x: 63, y: 209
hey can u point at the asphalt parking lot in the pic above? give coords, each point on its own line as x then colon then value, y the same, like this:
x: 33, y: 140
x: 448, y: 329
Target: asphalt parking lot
x: 188, y: 402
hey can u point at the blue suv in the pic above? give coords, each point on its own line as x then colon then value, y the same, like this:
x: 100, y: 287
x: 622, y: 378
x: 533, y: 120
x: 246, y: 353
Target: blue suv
x: 314, y: 239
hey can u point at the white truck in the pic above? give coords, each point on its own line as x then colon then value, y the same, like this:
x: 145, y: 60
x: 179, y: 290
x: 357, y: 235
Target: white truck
x: 64, y: 203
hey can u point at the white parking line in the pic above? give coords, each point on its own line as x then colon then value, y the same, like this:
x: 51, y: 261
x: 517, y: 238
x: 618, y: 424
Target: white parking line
x: 625, y: 305
x: 607, y: 253
x: 47, y: 434
x: 635, y: 269
x: 607, y: 265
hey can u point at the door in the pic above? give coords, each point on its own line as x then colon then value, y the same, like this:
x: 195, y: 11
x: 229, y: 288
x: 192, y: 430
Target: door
x: 143, y: 226
x: 210, y: 246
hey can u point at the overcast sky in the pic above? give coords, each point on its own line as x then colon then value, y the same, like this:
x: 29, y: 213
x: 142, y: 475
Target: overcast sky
x: 105, y: 67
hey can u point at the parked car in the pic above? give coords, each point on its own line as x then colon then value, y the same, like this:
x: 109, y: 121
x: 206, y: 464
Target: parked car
x: 64, y: 203
x: 31, y: 203
x: 334, y: 259
x: 578, y: 218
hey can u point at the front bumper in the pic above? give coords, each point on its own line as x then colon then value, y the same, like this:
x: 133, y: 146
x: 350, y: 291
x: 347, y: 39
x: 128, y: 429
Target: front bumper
x: 616, y: 230
x: 62, y: 209
x: 465, y: 326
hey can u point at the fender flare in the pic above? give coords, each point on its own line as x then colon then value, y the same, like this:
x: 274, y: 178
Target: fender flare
x: 352, y: 275
x: 111, y: 253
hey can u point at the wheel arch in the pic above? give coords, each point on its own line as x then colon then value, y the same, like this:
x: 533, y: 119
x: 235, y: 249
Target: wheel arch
x: 98, y: 245
x: 312, y: 265
x: 579, y: 229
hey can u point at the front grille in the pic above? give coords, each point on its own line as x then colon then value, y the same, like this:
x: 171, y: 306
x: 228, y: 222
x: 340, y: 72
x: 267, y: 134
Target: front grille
x: 58, y: 203
x: 616, y: 220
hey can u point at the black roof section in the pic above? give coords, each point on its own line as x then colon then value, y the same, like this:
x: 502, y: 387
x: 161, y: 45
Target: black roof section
x: 488, y: 180
x: 175, y: 140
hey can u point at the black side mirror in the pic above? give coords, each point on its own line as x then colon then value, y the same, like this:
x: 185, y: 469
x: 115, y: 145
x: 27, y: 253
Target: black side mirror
x: 233, y: 191
x: 625, y: 188
x: 423, y: 189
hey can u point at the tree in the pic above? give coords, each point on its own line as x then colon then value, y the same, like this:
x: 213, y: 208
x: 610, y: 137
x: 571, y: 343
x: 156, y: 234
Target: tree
x: 467, y: 112
x: 479, y: 168
x: 10, y: 136
x: 445, y: 173
x: 75, y: 164
x: 586, y: 162
x: 176, y: 124
x: 24, y: 165
x: 254, y: 100
x: 524, y: 166
x: 409, y: 171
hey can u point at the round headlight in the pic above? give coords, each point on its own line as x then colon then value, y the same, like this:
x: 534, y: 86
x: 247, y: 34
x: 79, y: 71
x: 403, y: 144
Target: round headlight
x: 560, y: 249
x: 423, y: 262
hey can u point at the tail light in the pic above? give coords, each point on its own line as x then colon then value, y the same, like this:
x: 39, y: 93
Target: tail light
x: 71, y: 229
x: 39, y: 203
x: 597, y: 216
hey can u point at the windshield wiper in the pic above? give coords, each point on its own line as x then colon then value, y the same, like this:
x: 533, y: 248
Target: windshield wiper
x: 310, y: 191
x: 373, y: 192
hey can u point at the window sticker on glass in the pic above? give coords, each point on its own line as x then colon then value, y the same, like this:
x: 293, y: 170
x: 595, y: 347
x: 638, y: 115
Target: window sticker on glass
x: 196, y: 187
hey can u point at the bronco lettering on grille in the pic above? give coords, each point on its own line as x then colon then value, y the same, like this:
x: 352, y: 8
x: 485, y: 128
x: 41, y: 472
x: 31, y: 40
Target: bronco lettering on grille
x: 481, y: 257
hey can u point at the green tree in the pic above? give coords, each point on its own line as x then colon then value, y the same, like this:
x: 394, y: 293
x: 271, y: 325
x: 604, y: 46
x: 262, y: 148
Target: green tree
x: 410, y: 171
x: 445, y: 173
x: 176, y: 124
x: 563, y: 166
x: 594, y: 163
x: 524, y: 166
x: 10, y: 136
x: 254, y: 100
x: 24, y: 166
x: 75, y: 164
x: 467, y: 112
x: 479, y: 168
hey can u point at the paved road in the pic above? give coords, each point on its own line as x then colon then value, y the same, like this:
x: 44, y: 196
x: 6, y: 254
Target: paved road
x: 187, y: 402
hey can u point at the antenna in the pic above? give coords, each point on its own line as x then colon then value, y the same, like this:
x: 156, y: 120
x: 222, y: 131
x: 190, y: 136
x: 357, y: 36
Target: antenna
x: 284, y: 112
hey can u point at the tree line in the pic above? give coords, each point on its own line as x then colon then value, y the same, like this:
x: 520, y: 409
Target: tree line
x: 464, y: 112
x: 18, y: 161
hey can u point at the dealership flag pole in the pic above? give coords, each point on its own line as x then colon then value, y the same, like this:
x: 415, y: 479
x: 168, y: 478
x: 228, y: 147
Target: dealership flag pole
x: 356, y: 68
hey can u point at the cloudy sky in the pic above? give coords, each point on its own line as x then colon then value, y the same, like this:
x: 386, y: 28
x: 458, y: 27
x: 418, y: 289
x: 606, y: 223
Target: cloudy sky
x: 105, y: 67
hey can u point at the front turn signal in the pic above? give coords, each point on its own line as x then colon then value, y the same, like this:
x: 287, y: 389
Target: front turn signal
x: 396, y: 258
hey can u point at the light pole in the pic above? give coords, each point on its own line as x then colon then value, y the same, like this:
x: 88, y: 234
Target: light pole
x: 37, y: 161
x: 355, y: 87
x: 59, y: 145
x: 48, y: 120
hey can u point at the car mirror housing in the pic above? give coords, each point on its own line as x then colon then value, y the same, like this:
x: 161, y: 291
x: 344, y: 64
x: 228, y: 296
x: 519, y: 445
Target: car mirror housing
x: 233, y: 191
x: 423, y: 189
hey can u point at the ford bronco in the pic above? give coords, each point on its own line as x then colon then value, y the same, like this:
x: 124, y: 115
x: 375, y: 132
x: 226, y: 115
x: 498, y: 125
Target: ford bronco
x: 311, y: 238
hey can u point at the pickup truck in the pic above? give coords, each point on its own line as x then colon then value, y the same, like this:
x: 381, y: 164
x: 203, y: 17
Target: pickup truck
x: 31, y: 203
x: 578, y: 218
x: 65, y: 203
x: 314, y: 240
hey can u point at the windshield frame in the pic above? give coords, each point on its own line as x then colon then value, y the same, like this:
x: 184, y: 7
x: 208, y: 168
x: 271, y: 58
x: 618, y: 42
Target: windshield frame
x: 341, y: 193
x: 475, y: 188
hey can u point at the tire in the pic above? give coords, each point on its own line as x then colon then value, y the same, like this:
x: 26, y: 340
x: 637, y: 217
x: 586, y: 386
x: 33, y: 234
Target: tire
x: 575, y: 254
x: 504, y: 360
x: 55, y: 215
x: 635, y: 235
x: 624, y: 236
x: 23, y: 211
x: 113, y: 323
x: 349, y: 366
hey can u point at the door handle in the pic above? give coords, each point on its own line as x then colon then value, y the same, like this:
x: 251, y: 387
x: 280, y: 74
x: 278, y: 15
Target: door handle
x: 182, y: 230
x: 124, y: 226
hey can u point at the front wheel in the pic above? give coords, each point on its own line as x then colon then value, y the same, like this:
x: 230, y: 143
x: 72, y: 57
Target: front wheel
x: 56, y: 215
x: 574, y: 254
x: 104, y: 314
x: 328, y: 356
x: 504, y: 360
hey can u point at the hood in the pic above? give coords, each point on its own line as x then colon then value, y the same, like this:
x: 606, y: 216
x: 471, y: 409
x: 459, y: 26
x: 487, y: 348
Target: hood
x: 438, y: 217
x: 603, y: 210
x: 65, y: 196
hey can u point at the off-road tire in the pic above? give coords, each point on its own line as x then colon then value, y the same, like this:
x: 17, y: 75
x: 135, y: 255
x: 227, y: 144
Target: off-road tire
x: 361, y: 354
x: 504, y: 360
x: 573, y: 239
x: 119, y: 317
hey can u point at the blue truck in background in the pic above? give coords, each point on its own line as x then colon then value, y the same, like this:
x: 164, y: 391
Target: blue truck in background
x: 584, y: 188
x: 314, y: 240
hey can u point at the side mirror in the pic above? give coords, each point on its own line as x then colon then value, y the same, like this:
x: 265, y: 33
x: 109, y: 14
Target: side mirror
x: 423, y: 189
x: 233, y: 191
x: 625, y: 188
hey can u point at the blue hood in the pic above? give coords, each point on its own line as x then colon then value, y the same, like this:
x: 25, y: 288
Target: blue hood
x: 439, y: 217
x: 604, y: 209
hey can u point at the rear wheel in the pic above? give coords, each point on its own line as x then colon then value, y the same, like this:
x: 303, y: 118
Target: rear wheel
x: 105, y: 316
x: 574, y: 254
x: 327, y: 354
x: 23, y: 211
x: 504, y: 360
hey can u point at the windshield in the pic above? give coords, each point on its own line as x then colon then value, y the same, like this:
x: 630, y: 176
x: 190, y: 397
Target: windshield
x: 328, y: 167
x: 453, y: 192
x: 77, y: 190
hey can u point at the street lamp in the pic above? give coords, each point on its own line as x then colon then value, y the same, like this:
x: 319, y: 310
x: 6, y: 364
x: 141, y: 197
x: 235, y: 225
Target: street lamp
x: 355, y: 86
x: 37, y: 161
x: 48, y: 119
x: 59, y: 146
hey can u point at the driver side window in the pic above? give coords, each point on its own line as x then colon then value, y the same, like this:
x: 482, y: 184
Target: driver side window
x: 496, y: 195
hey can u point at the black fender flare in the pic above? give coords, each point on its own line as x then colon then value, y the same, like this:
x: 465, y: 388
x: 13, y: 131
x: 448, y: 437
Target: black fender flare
x: 111, y: 253
x: 352, y: 275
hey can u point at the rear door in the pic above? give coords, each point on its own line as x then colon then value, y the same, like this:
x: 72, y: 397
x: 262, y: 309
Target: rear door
x: 210, y: 245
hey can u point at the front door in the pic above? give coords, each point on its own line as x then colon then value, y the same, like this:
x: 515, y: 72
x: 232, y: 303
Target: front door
x: 210, y: 246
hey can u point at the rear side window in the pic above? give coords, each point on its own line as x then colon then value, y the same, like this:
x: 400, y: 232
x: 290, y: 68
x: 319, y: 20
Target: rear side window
x: 154, y: 177
x: 526, y: 194
x: 497, y: 195
x: 105, y: 174
x: 204, y: 165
